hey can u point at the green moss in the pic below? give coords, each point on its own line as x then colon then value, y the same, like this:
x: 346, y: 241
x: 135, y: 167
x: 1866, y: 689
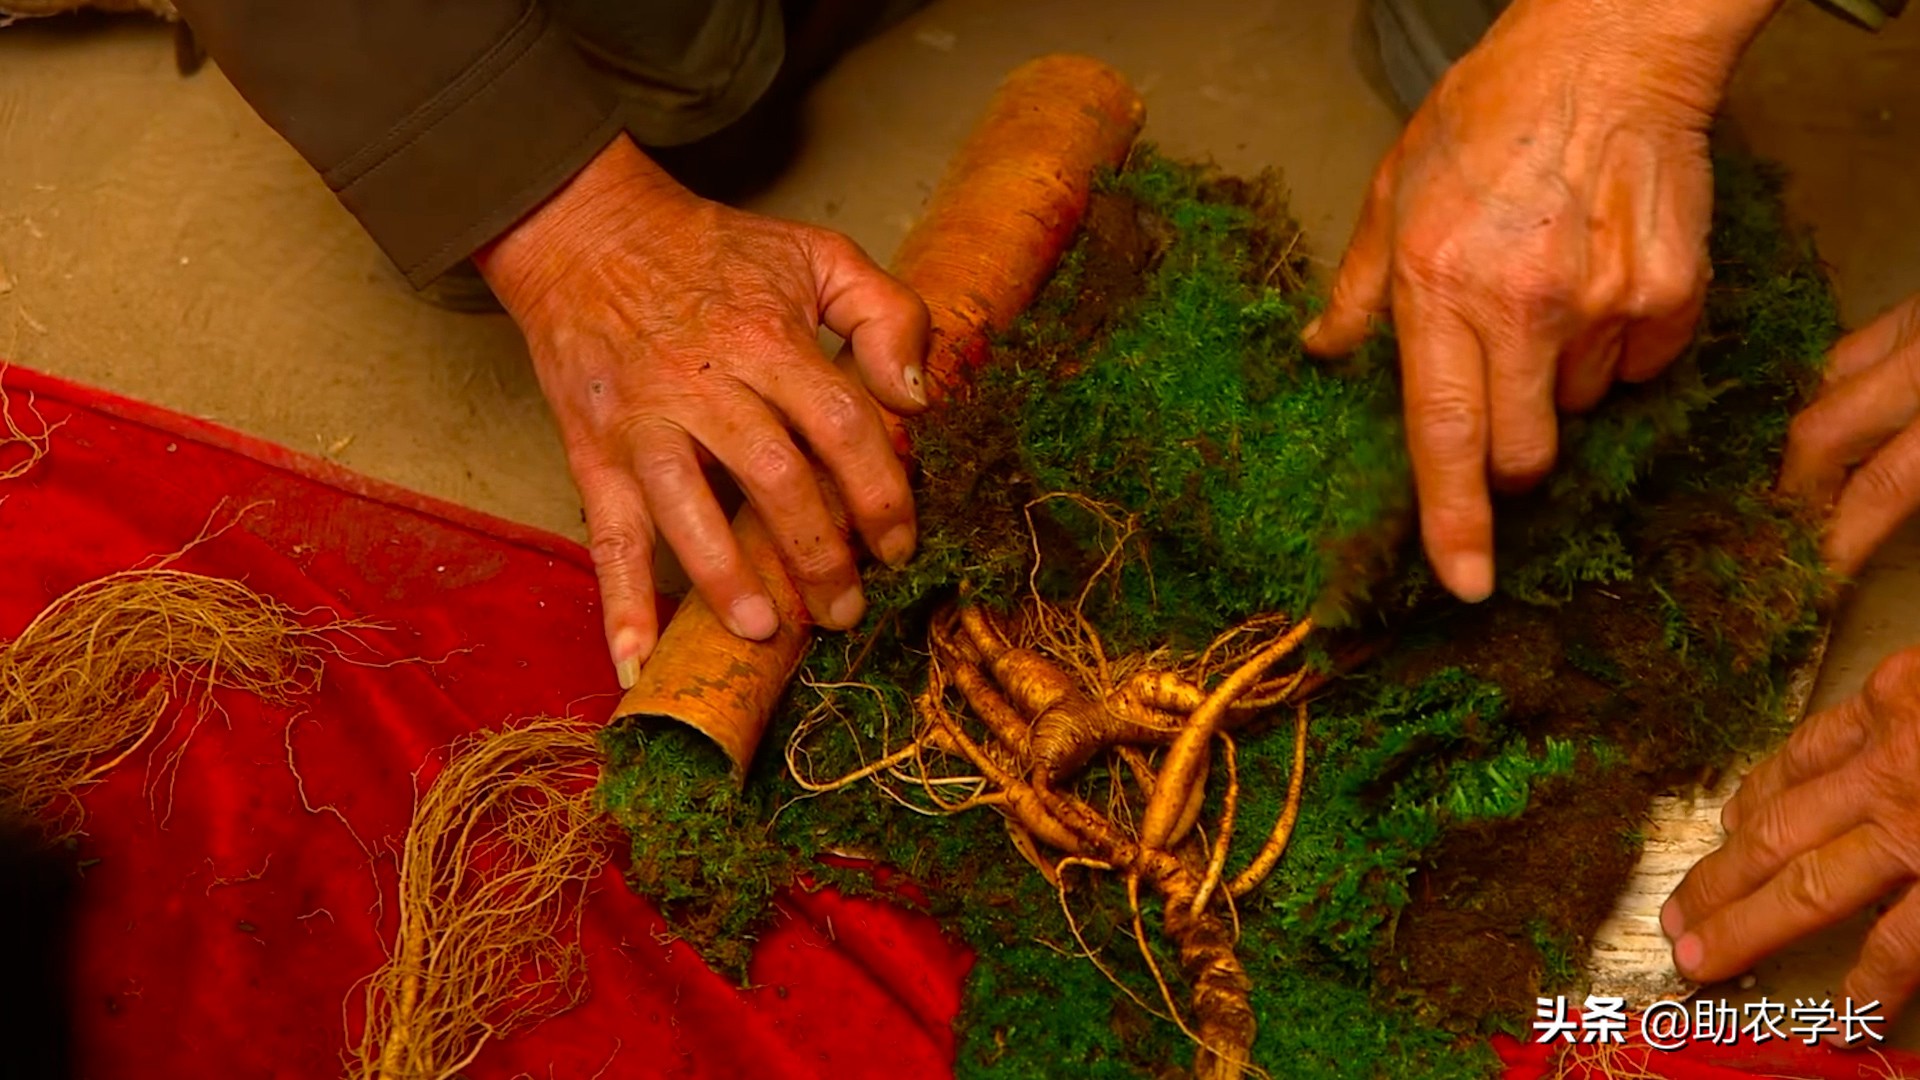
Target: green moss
x: 697, y: 846
x: 1260, y: 475
x: 1653, y: 594
x: 1560, y: 970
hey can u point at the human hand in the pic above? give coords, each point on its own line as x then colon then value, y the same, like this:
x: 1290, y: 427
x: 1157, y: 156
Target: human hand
x: 1818, y: 831
x: 1855, y: 452
x: 1538, y: 231
x: 665, y: 328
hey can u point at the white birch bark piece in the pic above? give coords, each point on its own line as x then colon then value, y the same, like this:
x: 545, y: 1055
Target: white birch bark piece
x: 1631, y: 958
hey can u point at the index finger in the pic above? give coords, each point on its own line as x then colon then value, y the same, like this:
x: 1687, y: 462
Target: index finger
x: 1816, y: 889
x: 1524, y: 430
x: 1877, y: 499
x: 1443, y: 372
x: 1774, y: 834
x: 845, y: 432
x: 1870, y: 344
x: 1852, y: 417
x: 1363, y: 283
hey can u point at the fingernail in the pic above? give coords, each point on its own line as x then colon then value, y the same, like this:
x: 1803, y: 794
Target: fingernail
x: 1312, y: 331
x: 1729, y: 817
x: 844, y: 613
x: 1470, y: 576
x: 896, y: 547
x: 1672, y: 923
x: 1688, y: 954
x: 916, y: 386
x: 628, y: 644
x: 754, y: 617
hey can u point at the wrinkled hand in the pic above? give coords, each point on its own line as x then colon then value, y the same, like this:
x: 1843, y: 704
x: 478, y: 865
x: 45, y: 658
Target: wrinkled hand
x: 1820, y: 830
x: 666, y: 328
x: 1539, y: 231
x: 1855, y: 452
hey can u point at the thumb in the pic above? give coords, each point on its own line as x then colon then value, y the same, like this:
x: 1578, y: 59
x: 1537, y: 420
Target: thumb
x: 885, y: 323
x: 1362, y: 288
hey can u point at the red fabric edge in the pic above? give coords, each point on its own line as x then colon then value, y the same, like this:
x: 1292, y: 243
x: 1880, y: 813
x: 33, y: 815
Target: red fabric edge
x: 15, y: 379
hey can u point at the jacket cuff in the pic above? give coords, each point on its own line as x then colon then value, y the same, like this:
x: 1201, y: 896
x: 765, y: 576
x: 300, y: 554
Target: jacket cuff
x: 482, y: 153
x: 1872, y: 14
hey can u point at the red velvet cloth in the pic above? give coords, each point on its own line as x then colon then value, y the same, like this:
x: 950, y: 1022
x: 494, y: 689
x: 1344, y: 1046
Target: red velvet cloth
x: 225, y: 925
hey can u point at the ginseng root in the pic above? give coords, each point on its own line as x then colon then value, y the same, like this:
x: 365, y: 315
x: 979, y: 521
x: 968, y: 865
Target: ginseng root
x: 1031, y: 729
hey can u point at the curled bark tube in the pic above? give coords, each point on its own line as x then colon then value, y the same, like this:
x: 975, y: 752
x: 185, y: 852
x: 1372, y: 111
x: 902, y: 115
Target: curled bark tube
x: 1008, y: 206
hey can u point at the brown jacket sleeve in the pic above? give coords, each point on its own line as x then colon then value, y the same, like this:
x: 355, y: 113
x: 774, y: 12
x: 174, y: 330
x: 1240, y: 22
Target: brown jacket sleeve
x: 1872, y: 14
x: 439, y: 123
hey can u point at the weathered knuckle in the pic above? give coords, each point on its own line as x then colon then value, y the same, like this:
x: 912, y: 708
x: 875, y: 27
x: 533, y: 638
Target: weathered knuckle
x: 1600, y: 298
x: 615, y: 545
x: 1528, y: 456
x: 819, y: 560
x: 907, y: 305
x: 1896, y: 681
x: 653, y: 461
x: 773, y: 465
x: 1886, y: 484
x: 1807, y: 884
x: 1738, y: 809
x: 831, y: 239
x: 1891, y: 950
x: 1811, y: 433
x: 841, y: 418
x: 1887, y: 779
x: 881, y: 496
x: 1426, y: 261
x: 1887, y: 845
x: 1799, y: 757
x: 1543, y: 298
x: 833, y: 246
x: 1767, y: 840
x: 1666, y: 286
x: 1449, y: 423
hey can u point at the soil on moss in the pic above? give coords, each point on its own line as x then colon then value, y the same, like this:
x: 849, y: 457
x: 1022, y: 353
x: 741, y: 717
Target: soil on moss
x: 1120, y: 244
x: 1506, y: 907
x: 1495, y: 898
x: 1603, y: 663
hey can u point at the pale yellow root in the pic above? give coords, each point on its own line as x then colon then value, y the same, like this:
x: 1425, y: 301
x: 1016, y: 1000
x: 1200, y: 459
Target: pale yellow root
x: 1196, y: 802
x: 22, y: 444
x: 1605, y: 1061
x: 1023, y: 843
x: 1223, y: 1022
x: 492, y: 881
x: 1182, y: 762
x: 898, y: 757
x: 1276, y: 845
x: 1050, y: 699
x: 1229, y: 807
x: 90, y: 678
x: 1153, y: 966
x: 1058, y: 879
